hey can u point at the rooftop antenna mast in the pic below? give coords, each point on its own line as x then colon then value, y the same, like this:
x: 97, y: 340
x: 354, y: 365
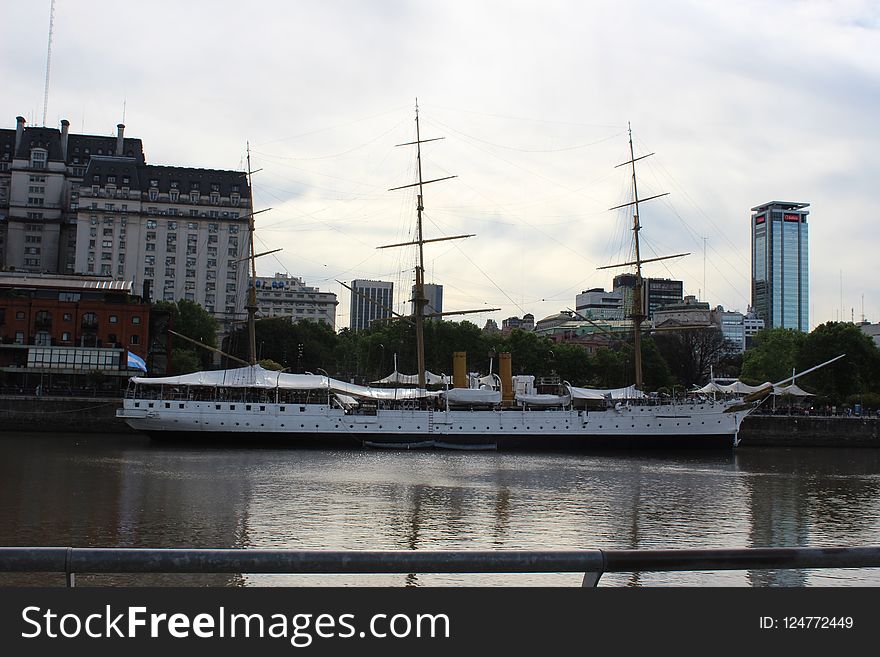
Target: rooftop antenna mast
x: 48, y: 59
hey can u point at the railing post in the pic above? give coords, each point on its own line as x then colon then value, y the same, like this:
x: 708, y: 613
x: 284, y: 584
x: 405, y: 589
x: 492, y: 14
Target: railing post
x: 591, y: 578
x: 69, y: 576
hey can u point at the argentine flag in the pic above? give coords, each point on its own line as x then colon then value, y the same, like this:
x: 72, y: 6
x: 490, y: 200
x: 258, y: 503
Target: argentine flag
x: 135, y: 362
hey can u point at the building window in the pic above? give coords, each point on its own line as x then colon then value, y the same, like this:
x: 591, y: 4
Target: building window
x: 38, y: 158
x: 154, y: 194
x: 135, y: 319
x: 135, y: 339
x: 114, y: 319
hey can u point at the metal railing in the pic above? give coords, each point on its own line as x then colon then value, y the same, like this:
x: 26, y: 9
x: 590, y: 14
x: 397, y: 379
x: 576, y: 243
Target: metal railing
x: 593, y: 563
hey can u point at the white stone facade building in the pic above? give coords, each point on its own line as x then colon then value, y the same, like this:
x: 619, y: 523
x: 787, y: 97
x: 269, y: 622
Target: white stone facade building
x: 88, y: 204
x: 288, y: 296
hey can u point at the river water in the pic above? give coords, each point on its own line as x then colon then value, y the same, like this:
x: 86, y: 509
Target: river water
x: 124, y: 491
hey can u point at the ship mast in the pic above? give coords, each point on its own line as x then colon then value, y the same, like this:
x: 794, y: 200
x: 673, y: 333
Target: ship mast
x: 418, y: 299
x: 638, y: 313
x: 251, y: 306
x: 639, y: 302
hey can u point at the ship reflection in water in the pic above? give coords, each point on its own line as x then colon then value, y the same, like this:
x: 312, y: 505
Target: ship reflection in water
x: 123, y: 491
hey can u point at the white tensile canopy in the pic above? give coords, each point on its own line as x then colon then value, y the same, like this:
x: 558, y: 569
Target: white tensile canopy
x: 710, y: 388
x: 254, y: 376
x: 740, y: 388
x: 630, y: 392
x: 793, y: 390
x: 411, y: 379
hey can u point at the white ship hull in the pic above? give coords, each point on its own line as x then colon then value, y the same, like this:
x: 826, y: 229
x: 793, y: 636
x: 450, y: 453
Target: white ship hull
x: 699, y: 424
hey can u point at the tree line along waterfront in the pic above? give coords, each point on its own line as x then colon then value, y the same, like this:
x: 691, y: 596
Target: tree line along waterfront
x: 673, y: 361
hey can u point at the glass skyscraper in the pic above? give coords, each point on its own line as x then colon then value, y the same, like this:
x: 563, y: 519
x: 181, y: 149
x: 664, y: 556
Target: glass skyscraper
x: 780, y: 264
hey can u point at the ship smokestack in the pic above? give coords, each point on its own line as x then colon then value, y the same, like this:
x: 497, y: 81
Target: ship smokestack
x: 459, y: 369
x: 506, y: 376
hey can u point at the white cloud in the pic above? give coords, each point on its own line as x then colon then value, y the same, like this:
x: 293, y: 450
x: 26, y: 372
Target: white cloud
x: 742, y: 102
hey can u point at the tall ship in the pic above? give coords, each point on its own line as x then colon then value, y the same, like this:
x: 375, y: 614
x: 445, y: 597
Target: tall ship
x: 500, y: 411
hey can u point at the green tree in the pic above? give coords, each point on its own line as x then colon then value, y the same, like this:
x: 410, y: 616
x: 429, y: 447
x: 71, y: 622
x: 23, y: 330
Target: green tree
x: 190, y: 319
x: 690, y: 354
x: 612, y: 368
x: 858, y: 372
x: 269, y: 364
x: 774, y: 353
x: 655, y: 370
x: 184, y: 361
x: 298, y: 346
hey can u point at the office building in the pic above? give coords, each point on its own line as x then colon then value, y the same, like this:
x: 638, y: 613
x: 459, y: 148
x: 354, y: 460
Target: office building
x: 86, y: 204
x: 434, y: 297
x: 658, y: 292
x: 599, y: 304
x: 41, y: 171
x: 751, y: 326
x: 780, y: 264
x: 526, y: 323
x: 176, y: 233
x: 687, y: 314
x: 370, y: 300
x: 732, y: 325
x: 287, y: 296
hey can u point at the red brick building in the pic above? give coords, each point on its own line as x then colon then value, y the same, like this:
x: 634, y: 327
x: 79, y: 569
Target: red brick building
x: 60, y: 331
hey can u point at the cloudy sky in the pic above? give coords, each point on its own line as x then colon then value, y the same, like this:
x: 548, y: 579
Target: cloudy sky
x: 742, y: 103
